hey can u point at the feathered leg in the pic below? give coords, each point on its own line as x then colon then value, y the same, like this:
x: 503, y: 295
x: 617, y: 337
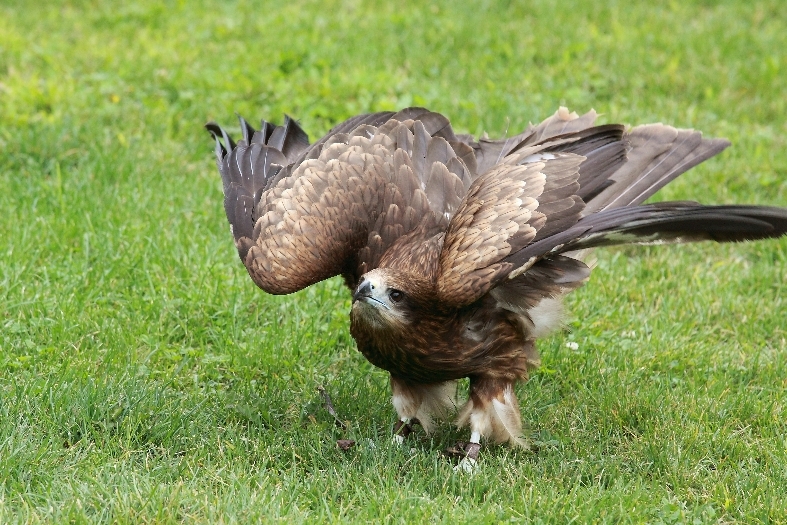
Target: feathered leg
x: 420, y: 404
x: 492, y: 412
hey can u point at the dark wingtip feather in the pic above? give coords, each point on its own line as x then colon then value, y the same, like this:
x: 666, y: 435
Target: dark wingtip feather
x: 246, y: 128
x: 247, y: 169
x: 264, y: 134
x: 295, y: 139
x: 220, y: 135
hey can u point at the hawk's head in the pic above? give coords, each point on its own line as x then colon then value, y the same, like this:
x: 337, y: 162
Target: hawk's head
x: 386, y: 297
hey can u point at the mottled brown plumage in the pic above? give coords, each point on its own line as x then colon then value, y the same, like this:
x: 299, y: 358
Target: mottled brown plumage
x: 458, y: 251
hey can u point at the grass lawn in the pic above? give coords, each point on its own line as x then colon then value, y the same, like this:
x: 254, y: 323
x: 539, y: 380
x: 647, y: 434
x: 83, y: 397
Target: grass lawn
x: 145, y: 379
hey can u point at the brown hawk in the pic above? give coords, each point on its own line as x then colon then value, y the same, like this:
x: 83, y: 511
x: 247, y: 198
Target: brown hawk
x: 458, y: 252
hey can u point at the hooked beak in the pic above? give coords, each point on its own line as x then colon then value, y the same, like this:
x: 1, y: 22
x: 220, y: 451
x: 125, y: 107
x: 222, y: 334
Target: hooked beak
x: 363, y: 291
x: 366, y: 293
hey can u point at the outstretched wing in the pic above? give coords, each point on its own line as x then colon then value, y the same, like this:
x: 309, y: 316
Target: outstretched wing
x: 344, y: 201
x: 498, y: 235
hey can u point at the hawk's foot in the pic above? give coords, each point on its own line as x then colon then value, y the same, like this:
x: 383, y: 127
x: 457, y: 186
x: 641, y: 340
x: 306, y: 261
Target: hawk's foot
x: 402, y: 429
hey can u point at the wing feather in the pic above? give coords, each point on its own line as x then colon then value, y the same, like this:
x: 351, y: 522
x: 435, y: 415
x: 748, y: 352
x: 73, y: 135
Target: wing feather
x: 656, y: 155
x: 561, y: 123
x: 493, y: 220
x: 504, y: 211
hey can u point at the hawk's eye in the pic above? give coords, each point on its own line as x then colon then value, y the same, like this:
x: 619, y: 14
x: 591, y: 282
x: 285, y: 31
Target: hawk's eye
x: 396, y: 296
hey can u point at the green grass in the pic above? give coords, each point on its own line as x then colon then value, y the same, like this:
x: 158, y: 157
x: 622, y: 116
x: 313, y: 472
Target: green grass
x: 144, y: 379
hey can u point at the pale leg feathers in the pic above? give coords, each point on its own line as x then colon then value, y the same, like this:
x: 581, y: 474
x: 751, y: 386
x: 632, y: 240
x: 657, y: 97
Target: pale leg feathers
x: 492, y: 412
x: 422, y: 402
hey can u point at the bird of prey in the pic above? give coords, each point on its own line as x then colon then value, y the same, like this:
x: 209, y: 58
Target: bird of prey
x: 458, y: 252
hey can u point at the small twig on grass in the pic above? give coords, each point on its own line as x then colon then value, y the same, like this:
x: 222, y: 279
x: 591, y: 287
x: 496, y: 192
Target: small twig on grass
x: 329, y: 407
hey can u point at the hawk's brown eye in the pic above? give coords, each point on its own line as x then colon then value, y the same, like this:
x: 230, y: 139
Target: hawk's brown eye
x: 396, y: 296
